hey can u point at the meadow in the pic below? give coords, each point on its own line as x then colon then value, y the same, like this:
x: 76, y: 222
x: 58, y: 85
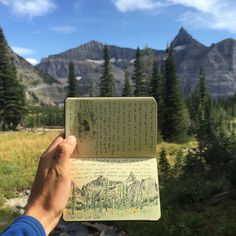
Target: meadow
x: 19, y: 156
x: 184, y: 202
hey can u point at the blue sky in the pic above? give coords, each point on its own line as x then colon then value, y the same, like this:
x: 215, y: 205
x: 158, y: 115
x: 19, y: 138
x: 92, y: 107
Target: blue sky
x: 38, y: 28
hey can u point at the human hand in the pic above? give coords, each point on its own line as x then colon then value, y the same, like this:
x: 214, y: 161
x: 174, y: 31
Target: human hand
x: 51, y: 188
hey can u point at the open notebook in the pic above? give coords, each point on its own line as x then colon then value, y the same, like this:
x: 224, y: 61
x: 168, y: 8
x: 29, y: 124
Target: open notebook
x: 114, y: 163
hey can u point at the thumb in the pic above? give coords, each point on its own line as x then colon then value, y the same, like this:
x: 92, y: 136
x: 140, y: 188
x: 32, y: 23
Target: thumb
x: 65, y: 149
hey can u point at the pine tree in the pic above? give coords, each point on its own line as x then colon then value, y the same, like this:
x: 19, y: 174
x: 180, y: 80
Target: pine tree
x: 176, y: 119
x: 91, y: 88
x: 4, y: 68
x: 148, y: 60
x: 14, y: 108
x: 12, y: 95
x: 156, y: 92
x: 203, y: 111
x: 200, y: 109
x: 138, y: 77
x: 127, y: 92
x: 164, y: 166
x: 106, y: 80
x: 179, y: 164
x: 73, y: 91
x: 193, y: 164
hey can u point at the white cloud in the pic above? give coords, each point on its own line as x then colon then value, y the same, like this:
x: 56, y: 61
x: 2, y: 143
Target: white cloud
x: 64, y: 29
x: 32, y: 61
x: 132, y: 5
x: 30, y: 8
x: 23, y: 51
x: 214, y: 14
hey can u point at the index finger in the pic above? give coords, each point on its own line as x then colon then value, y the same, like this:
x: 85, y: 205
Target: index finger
x: 52, y: 147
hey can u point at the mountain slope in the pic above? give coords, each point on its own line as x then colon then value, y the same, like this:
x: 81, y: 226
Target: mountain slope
x: 40, y: 87
x: 218, y: 62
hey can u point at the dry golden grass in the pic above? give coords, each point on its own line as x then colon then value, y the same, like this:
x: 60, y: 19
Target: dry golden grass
x: 19, y: 155
x: 20, y: 152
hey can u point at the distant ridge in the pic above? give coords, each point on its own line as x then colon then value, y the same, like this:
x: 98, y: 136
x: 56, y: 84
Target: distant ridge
x: 218, y: 62
x: 40, y: 87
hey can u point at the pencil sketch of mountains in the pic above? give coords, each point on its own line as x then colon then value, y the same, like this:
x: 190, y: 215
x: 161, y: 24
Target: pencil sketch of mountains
x: 104, y: 193
x: 144, y: 190
x: 101, y: 189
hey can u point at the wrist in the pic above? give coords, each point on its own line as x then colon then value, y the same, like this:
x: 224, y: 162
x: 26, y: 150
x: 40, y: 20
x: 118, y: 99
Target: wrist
x: 47, y: 218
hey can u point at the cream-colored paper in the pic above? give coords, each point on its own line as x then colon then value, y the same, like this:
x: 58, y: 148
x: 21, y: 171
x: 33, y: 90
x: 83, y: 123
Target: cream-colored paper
x: 114, y: 189
x: 114, y: 164
x: 114, y: 127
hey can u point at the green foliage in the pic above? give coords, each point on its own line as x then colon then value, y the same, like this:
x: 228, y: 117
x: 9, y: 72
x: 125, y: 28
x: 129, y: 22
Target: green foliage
x: 12, y: 95
x: 176, y: 119
x: 138, y: 77
x: 127, y: 91
x: 44, y: 116
x: 164, y: 166
x: 157, y: 93
x: 106, y: 80
x: 147, y: 61
x: 201, y: 111
x: 177, y: 169
x: 73, y: 91
x: 194, y: 164
x: 7, y: 215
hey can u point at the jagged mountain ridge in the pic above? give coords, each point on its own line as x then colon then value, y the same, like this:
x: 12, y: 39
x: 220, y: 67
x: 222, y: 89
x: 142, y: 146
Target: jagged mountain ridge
x: 88, y: 59
x: 218, y: 62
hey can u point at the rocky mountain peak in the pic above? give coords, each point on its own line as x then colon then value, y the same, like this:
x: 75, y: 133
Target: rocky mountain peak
x: 183, y: 38
x: 92, y: 43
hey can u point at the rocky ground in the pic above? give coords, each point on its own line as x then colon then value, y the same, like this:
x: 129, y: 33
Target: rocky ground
x: 69, y: 228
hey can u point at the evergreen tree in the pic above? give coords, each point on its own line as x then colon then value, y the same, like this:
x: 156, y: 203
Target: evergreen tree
x: 73, y: 91
x: 106, y: 80
x: 148, y: 60
x: 203, y: 110
x: 138, y: 77
x: 179, y: 164
x: 12, y: 95
x: 194, y: 164
x: 164, y: 166
x: 156, y: 92
x: 14, y: 108
x: 127, y: 92
x: 200, y: 109
x: 4, y: 69
x: 176, y: 119
x: 91, y: 88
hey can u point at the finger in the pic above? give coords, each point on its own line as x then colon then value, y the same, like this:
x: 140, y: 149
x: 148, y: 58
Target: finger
x: 54, y: 144
x: 46, y: 159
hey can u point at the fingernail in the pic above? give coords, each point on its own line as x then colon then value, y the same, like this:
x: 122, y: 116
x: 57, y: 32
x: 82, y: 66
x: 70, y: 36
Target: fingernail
x: 71, y: 139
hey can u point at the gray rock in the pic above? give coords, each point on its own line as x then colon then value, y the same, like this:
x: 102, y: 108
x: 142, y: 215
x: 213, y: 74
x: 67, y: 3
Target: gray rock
x: 218, y: 61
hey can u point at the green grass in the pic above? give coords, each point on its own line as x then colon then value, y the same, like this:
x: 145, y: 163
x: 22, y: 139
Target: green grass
x: 19, y: 156
x: 20, y: 153
x: 7, y: 215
